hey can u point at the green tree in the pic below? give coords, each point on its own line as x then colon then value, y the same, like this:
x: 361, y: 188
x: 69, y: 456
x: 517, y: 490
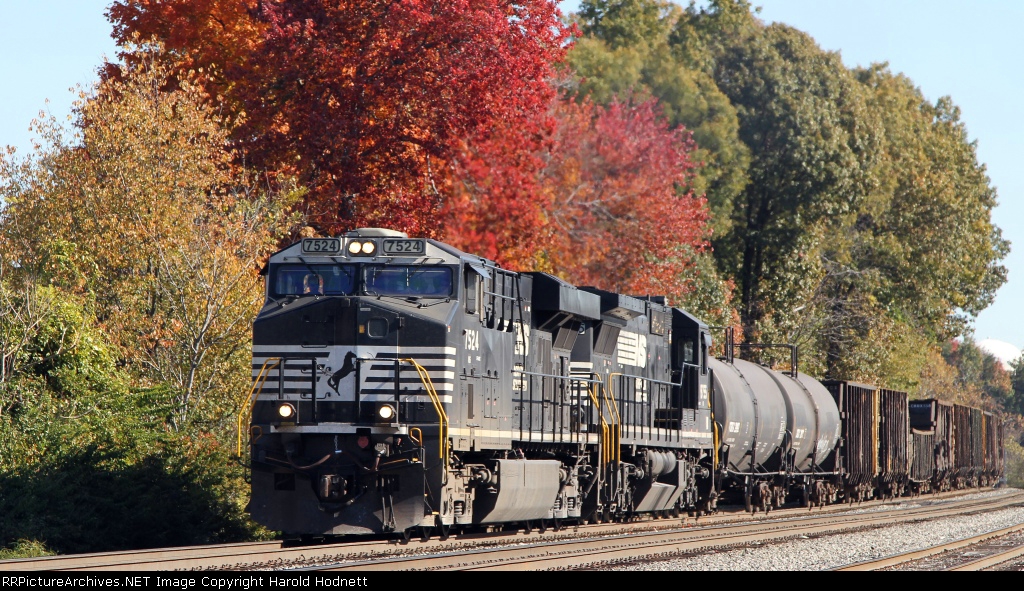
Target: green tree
x: 920, y: 251
x: 1016, y: 402
x: 625, y: 50
x: 802, y: 116
x: 844, y: 241
x: 926, y: 230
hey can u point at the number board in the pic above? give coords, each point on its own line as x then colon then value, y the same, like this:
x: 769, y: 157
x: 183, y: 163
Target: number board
x: 321, y: 245
x: 404, y: 246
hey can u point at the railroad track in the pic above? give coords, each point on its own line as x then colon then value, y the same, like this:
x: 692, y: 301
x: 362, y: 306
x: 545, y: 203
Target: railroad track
x: 642, y: 546
x: 565, y: 548
x: 970, y: 554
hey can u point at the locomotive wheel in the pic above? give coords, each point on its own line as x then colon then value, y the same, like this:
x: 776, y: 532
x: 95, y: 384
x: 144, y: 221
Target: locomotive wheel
x: 443, y: 531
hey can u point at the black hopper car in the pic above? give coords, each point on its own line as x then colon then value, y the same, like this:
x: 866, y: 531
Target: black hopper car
x: 401, y: 385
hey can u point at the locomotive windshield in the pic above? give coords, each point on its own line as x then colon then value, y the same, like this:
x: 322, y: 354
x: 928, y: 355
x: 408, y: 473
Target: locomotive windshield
x: 314, y: 280
x: 408, y: 281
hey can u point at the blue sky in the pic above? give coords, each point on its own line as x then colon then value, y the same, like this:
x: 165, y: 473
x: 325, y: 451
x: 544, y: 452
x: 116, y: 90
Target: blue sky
x: 970, y: 51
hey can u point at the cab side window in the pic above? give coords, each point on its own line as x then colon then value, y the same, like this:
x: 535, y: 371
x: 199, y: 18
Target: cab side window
x: 472, y: 287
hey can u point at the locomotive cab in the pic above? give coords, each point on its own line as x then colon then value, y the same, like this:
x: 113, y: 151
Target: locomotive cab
x: 353, y: 369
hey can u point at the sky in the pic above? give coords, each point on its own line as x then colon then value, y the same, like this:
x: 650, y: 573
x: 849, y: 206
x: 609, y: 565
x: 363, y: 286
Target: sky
x: 969, y: 51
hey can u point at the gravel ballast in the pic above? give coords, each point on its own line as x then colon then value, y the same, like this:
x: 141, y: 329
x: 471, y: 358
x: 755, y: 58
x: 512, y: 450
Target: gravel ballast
x: 828, y: 552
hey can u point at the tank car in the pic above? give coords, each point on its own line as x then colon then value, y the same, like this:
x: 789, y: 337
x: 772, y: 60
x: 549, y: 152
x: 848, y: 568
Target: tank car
x: 779, y: 432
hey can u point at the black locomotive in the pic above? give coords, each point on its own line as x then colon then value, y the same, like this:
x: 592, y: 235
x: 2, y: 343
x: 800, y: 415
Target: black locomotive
x: 403, y: 385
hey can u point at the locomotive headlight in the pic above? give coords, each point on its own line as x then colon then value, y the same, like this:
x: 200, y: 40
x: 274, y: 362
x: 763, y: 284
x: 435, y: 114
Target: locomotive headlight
x: 362, y: 247
x: 286, y: 411
x: 386, y: 412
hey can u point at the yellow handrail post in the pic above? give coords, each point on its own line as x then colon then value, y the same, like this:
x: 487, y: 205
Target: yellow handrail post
x: 428, y: 384
x: 257, y: 386
x: 605, y: 443
x: 617, y: 424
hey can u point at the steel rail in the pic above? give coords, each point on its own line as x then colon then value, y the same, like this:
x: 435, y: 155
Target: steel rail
x: 904, y: 557
x: 992, y: 560
x: 275, y: 555
x: 563, y: 554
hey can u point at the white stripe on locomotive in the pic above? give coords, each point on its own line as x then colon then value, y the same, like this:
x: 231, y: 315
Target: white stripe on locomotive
x: 376, y: 373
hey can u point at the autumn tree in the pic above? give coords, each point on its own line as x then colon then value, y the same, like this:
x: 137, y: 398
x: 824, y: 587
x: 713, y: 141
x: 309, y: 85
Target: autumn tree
x: 131, y: 247
x: 627, y: 47
x: 167, y: 233
x: 608, y: 201
x: 367, y: 102
x: 623, y: 208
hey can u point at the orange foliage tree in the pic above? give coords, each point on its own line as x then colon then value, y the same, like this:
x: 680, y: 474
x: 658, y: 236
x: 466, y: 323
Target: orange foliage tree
x: 365, y: 101
x: 139, y: 213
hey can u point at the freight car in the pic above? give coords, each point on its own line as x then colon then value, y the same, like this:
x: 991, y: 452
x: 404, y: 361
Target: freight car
x: 931, y: 423
x: 401, y: 385
x: 876, y: 451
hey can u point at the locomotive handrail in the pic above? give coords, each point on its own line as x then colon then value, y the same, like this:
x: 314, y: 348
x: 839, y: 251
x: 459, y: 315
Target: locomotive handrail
x: 609, y: 393
x: 605, y: 434
x: 257, y: 386
x: 438, y: 406
x: 652, y: 380
x: 594, y: 382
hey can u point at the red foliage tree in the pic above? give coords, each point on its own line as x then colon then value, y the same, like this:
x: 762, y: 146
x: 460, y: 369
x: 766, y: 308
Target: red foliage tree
x: 366, y: 101
x: 604, y: 202
x: 499, y: 204
x: 627, y: 217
